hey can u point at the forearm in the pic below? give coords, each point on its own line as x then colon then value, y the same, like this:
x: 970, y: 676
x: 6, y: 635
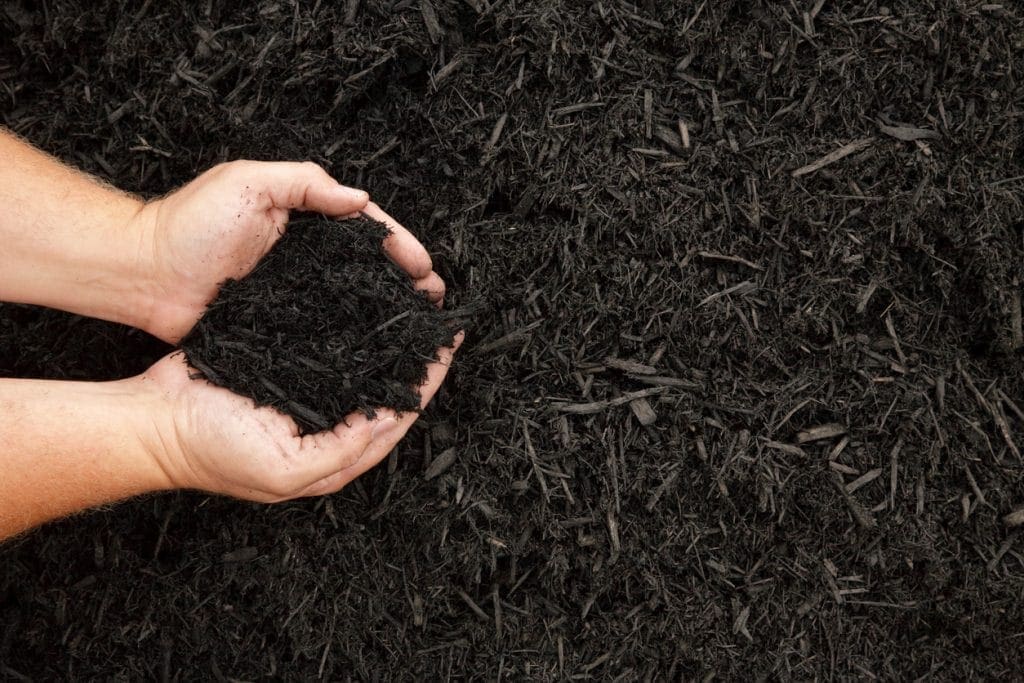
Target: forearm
x: 68, y: 446
x: 67, y: 241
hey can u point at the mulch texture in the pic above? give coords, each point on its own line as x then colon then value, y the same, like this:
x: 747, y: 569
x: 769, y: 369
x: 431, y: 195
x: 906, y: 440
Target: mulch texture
x: 323, y: 327
x: 742, y: 391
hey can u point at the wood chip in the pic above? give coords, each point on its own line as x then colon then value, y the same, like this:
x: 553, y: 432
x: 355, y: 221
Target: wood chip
x: 643, y: 411
x: 630, y: 366
x: 527, y: 200
x: 864, y: 479
x: 440, y: 464
x: 206, y: 370
x: 613, y: 532
x: 1015, y: 518
x: 660, y: 491
x: 742, y: 288
x: 1016, y: 315
x: 662, y: 381
x: 908, y: 133
x: 599, y: 406
x: 863, y: 517
x: 351, y: 11
x: 1004, y: 548
x: 712, y: 256
x: 842, y: 469
x: 786, y: 448
x: 670, y: 138
x: 309, y: 415
x: 865, y: 297
x: 274, y: 389
x: 508, y: 339
x: 684, y: 133
x: 832, y: 157
x: 472, y: 605
x: 430, y: 22
x: 574, y: 108
x: 448, y: 69
x: 492, y: 142
x: 739, y: 625
x: 821, y: 432
x: 532, y: 452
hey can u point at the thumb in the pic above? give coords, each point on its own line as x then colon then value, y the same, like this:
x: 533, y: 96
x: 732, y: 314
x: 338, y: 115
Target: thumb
x: 306, y: 186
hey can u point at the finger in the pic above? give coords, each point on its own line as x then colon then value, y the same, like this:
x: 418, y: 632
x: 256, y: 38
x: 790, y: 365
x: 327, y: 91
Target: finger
x: 401, y: 246
x: 324, y: 453
x: 379, y: 448
x: 329, y: 484
x: 303, y: 185
x: 436, y: 373
x: 374, y: 453
x: 433, y: 285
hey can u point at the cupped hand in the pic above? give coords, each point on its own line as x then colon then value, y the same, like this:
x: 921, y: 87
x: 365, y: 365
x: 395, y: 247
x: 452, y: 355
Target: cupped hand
x: 218, y: 227
x: 210, y: 439
x: 222, y: 223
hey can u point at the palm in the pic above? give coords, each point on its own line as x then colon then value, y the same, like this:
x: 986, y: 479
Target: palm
x: 237, y: 448
x: 207, y: 233
x: 206, y: 248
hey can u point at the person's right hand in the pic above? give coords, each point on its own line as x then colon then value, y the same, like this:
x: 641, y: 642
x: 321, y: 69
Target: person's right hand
x: 214, y: 440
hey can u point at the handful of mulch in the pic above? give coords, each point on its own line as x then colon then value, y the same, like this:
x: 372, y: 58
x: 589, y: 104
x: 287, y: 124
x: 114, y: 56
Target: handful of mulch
x: 325, y: 325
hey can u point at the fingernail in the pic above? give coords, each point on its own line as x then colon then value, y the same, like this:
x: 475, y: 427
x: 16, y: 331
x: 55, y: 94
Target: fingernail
x: 384, y: 428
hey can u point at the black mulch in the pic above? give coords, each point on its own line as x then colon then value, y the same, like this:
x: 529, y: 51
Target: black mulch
x: 743, y: 395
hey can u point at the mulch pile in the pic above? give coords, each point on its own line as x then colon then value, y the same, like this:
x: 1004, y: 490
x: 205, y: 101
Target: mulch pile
x: 323, y: 327
x: 742, y: 392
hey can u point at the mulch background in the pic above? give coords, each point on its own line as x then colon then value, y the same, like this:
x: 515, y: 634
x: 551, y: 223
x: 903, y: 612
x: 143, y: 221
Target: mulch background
x: 814, y: 482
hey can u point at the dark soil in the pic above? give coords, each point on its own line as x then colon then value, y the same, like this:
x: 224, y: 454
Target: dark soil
x: 324, y: 326
x: 743, y: 395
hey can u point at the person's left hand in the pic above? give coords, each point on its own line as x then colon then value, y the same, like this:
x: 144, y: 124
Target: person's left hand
x: 222, y: 223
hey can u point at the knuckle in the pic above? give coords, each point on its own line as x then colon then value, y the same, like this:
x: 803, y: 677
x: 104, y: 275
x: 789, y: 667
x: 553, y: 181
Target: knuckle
x: 232, y: 166
x: 350, y: 457
x: 312, y: 168
x: 232, y: 171
x: 334, y: 483
x: 219, y: 171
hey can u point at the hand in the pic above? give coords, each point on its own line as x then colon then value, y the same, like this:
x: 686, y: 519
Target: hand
x: 218, y: 227
x: 223, y: 222
x: 214, y: 440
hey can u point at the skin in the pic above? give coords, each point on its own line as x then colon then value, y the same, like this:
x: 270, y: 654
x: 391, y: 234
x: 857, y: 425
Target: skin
x: 73, y: 243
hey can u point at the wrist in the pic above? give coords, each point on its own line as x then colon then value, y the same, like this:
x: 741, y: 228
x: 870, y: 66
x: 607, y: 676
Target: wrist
x: 67, y: 238
x: 162, y: 308
x: 142, y: 415
x: 150, y: 421
x: 147, y: 291
x: 130, y: 264
x: 163, y: 419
